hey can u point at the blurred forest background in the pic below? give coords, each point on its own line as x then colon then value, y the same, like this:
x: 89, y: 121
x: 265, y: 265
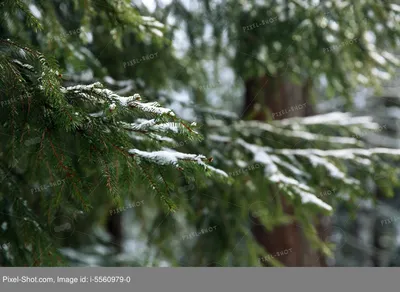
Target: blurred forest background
x: 199, y: 133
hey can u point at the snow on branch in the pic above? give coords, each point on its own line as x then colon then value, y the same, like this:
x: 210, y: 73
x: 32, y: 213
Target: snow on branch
x: 332, y: 119
x: 349, y: 153
x: 152, y: 126
x: 171, y: 157
x: 152, y: 107
x: 255, y: 125
x: 268, y: 157
x: 273, y: 173
x: 96, y: 92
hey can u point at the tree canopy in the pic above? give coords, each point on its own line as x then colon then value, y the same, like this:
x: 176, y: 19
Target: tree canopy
x: 87, y: 128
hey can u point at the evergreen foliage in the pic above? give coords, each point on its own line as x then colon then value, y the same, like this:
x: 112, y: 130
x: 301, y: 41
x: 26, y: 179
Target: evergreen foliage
x: 79, y: 142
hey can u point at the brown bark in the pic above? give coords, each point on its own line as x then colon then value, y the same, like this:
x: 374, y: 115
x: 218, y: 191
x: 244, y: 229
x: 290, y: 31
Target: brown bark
x: 277, y: 95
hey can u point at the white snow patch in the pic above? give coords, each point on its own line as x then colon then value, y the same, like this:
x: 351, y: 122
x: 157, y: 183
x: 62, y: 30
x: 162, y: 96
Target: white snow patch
x: 35, y: 11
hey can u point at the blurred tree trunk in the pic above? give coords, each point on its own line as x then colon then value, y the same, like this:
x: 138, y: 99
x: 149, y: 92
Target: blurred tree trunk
x: 276, y: 95
x: 114, y: 227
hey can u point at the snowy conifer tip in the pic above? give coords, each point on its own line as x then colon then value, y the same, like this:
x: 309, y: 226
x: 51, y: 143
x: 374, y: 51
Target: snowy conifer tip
x: 171, y: 157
